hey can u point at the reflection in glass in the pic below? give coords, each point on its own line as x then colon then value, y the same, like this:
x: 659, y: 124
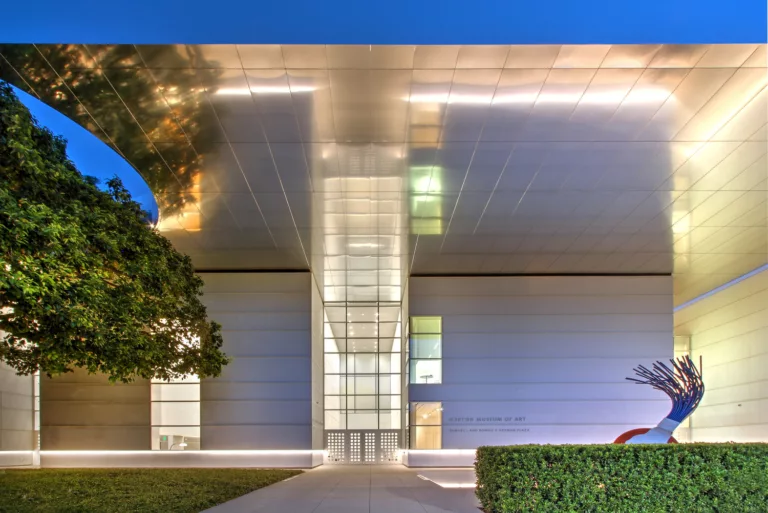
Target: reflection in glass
x: 147, y: 102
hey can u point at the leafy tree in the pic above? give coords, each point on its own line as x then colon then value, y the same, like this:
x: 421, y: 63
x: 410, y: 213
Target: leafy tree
x: 84, y: 280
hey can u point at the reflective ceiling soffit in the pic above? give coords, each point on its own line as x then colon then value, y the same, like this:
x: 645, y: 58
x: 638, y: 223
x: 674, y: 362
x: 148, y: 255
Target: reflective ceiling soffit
x: 373, y: 162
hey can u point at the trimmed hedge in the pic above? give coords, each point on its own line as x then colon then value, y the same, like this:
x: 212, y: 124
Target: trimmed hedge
x: 684, y: 478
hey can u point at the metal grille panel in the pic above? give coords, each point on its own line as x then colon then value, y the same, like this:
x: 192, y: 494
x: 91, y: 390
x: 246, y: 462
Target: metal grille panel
x: 363, y: 447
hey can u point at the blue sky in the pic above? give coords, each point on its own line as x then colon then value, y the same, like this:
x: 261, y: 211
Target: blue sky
x: 91, y: 156
x: 387, y: 21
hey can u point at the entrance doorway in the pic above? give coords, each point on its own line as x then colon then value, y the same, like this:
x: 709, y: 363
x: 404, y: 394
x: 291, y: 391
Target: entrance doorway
x: 363, y: 386
x: 372, y: 447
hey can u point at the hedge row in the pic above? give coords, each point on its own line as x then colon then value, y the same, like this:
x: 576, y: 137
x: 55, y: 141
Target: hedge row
x: 684, y: 478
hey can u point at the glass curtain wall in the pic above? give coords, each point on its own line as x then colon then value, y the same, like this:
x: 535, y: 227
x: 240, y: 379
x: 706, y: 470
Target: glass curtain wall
x: 362, y: 350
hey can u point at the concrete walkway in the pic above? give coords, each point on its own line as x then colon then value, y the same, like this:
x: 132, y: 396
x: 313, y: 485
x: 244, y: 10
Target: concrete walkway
x: 358, y: 489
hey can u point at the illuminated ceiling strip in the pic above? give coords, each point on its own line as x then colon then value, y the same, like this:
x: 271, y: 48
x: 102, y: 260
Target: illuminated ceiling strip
x: 244, y: 91
x: 605, y: 98
x: 721, y: 287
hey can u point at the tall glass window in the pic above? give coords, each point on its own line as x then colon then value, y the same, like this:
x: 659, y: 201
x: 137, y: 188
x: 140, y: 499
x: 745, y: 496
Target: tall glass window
x: 426, y: 350
x: 176, y: 414
x: 362, y: 366
x: 426, y: 420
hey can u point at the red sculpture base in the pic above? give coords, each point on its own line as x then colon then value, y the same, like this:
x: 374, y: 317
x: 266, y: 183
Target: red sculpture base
x: 622, y: 439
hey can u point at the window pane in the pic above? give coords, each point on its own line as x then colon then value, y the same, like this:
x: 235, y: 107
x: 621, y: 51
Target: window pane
x: 388, y: 330
x: 389, y: 419
x: 335, y: 420
x: 362, y: 402
x: 336, y: 330
x: 389, y: 402
x: 385, y: 363
x: 365, y: 363
x: 335, y: 402
x: 335, y: 385
x: 364, y: 385
x: 176, y: 392
x: 363, y: 345
x: 426, y: 437
x: 361, y: 313
x: 426, y: 346
x: 171, y: 438
x: 426, y: 371
x: 362, y: 329
x: 176, y: 414
x: 336, y: 313
x: 335, y: 364
x: 389, y: 384
x: 389, y: 313
x: 426, y: 414
x: 335, y: 345
x: 395, y: 385
x: 426, y: 325
x: 366, y: 420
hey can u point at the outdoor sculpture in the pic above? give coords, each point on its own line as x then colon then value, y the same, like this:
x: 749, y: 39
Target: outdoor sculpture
x: 683, y: 384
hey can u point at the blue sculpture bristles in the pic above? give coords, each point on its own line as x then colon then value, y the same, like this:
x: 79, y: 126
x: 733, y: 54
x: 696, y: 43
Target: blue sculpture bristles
x: 683, y: 385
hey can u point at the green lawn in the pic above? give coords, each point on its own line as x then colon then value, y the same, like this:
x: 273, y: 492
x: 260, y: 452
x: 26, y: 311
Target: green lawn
x: 188, y: 490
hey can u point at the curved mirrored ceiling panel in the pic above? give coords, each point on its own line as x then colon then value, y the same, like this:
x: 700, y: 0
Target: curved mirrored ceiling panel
x: 90, y: 155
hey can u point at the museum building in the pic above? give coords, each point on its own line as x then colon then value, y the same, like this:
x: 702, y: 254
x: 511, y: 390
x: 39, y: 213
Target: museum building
x: 415, y: 250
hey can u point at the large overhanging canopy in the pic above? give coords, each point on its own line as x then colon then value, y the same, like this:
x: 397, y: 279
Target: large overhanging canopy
x: 369, y: 163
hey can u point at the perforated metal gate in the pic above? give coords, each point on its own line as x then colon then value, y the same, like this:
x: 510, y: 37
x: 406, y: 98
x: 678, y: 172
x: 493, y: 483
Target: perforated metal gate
x: 380, y: 447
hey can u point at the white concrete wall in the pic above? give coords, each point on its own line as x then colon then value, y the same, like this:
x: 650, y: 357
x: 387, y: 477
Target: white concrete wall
x: 552, y: 350
x: 318, y: 384
x: 16, y: 418
x: 263, y: 399
x: 729, y: 330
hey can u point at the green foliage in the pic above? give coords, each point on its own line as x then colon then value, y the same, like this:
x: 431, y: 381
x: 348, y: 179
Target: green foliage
x: 84, y: 280
x: 128, y: 490
x: 690, y: 478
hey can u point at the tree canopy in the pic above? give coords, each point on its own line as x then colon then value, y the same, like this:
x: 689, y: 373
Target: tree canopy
x: 85, y: 281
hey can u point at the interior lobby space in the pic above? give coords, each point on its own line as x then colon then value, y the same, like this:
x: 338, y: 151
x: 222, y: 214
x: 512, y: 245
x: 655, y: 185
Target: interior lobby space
x: 418, y: 249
